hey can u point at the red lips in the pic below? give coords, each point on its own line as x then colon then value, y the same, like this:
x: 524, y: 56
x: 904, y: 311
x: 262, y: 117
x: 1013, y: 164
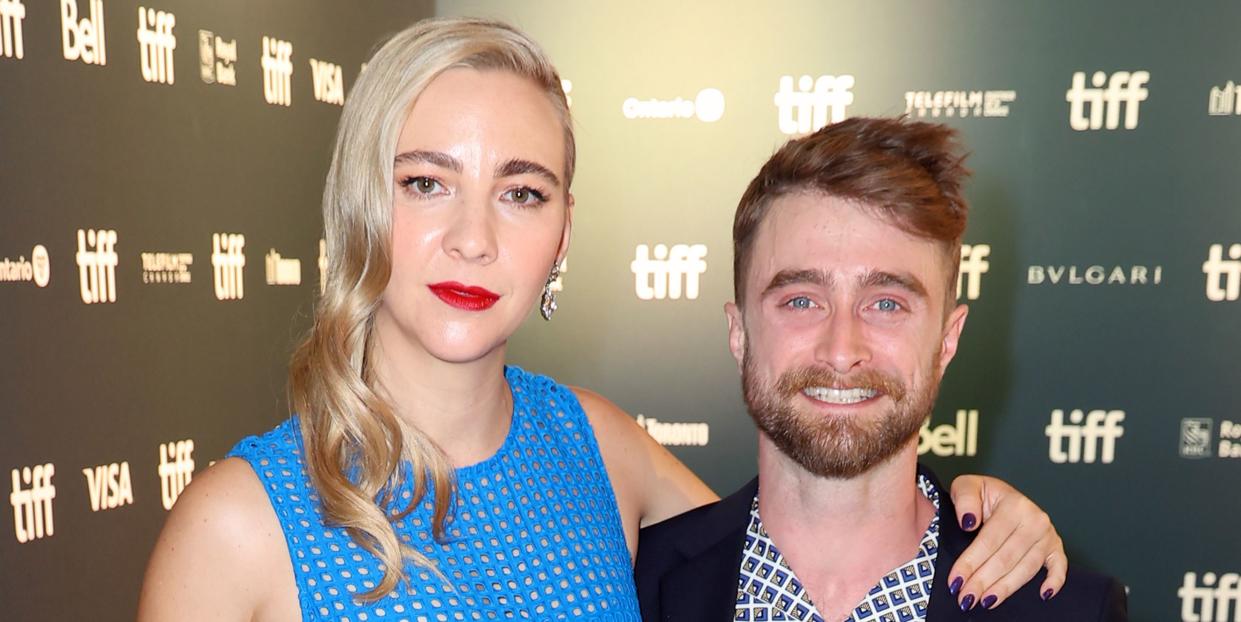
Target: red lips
x: 465, y: 297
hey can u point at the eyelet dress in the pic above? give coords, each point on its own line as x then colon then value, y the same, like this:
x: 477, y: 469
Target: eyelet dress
x: 535, y: 532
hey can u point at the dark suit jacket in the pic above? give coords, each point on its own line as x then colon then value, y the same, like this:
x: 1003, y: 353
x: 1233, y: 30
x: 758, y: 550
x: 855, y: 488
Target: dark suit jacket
x: 688, y: 569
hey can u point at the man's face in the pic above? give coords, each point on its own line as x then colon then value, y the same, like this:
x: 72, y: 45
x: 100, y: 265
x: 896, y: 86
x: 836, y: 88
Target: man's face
x: 842, y: 339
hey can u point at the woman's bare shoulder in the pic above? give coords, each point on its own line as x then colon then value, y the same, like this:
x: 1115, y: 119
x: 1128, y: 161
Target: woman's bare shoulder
x: 221, y: 554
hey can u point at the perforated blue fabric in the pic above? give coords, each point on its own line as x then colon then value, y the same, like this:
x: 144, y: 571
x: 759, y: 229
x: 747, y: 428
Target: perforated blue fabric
x: 535, y: 533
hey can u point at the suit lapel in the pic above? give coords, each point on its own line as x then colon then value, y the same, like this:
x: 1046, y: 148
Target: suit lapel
x: 952, y: 541
x: 704, y: 585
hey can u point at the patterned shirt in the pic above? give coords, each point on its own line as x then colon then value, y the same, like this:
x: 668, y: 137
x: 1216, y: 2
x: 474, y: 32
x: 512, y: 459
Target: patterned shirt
x: 768, y: 590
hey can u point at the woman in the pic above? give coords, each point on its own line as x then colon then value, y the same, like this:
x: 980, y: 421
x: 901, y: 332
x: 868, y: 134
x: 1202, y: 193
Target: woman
x: 422, y: 478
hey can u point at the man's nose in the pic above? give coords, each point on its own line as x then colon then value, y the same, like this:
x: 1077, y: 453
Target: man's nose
x: 842, y: 342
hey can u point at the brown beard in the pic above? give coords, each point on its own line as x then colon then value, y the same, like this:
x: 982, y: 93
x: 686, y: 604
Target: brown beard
x: 835, y: 446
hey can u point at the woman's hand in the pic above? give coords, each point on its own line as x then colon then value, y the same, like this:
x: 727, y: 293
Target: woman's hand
x: 1017, y: 539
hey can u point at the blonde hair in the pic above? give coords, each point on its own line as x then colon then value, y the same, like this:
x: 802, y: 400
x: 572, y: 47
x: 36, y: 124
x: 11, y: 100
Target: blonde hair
x: 354, y: 444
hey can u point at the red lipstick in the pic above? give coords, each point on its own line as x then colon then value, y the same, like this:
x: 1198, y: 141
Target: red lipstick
x: 465, y: 297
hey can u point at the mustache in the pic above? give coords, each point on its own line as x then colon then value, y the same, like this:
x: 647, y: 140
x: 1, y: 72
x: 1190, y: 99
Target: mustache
x: 794, y: 381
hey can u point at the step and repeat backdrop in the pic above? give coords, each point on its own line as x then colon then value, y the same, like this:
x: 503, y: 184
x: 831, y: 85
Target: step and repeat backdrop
x: 161, y: 167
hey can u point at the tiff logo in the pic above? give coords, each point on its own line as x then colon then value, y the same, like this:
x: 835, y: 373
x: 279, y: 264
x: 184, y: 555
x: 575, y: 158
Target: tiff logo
x: 1224, y: 101
x: 31, y: 498
x: 12, y: 12
x: 228, y: 263
x: 83, y: 39
x: 949, y: 440
x: 155, y: 45
x: 1223, y: 275
x: 974, y: 264
x: 217, y: 59
x: 109, y: 486
x: 176, y: 469
x: 814, y: 104
x: 1211, y: 601
x: 1123, y: 88
x: 277, y: 72
x: 1094, y: 440
x: 282, y: 271
x: 328, y: 81
x: 660, y: 277
x: 97, y: 266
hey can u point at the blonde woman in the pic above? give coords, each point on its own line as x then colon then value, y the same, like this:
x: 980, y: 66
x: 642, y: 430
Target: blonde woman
x: 420, y: 477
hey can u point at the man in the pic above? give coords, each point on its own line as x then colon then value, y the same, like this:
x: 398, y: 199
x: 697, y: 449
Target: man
x: 846, y: 250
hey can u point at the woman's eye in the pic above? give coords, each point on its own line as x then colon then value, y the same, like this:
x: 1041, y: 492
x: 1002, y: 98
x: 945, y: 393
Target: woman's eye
x: 422, y: 185
x: 800, y: 302
x: 525, y: 196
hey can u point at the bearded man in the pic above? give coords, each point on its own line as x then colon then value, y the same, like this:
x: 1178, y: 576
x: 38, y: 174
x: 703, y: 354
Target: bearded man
x: 846, y: 251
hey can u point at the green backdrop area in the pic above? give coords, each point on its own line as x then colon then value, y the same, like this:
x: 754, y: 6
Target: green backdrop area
x: 1097, y: 371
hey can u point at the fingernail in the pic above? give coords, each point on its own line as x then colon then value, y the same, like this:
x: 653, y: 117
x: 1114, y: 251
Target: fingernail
x: 967, y: 603
x: 968, y: 521
x: 955, y: 586
x: 988, y: 602
x: 1048, y: 593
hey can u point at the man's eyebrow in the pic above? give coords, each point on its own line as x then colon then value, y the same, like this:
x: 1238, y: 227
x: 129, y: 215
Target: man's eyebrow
x: 522, y: 167
x: 442, y: 160
x: 902, y: 280
x: 793, y: 277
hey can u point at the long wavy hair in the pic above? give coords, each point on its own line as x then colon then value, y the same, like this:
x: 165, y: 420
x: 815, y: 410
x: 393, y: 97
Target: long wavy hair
x: 357, y: 451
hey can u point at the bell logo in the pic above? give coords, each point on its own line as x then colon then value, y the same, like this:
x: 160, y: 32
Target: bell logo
x: 1211, y: 601
x: 1088, y: 442
x: 176, y: 469
x: 660, y: 277
x: 97, y: 266
x: 1123, y: 89
x: 1223, y: 275
x: 949, y: 440
x: 329, y: 82
x: 974, y: 264
x: 228, y: 263
x: 155, y: 45
x: 12, y: 12
x: 109, y: 486
x: 31, y: 499
x: 83, y: 39
x: 815, y: 103
x: 277, y: 65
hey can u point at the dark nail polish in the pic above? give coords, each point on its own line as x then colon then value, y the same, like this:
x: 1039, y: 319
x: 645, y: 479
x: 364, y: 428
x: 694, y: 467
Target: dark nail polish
x: 955, y: 586
x: 968, y: 521
x: 967, y: 603
x: 1047, y: 594
x: 988, y: 602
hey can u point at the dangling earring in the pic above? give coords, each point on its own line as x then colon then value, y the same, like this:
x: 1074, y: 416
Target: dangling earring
x: 548, y: 306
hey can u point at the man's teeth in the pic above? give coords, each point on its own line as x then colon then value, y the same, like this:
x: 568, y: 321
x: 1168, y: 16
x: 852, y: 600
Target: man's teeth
x: 839, y: 396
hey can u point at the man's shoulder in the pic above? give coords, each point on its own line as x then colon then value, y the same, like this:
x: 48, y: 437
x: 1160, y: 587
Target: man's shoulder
x: 1086, y: 595
x: 688, y: 565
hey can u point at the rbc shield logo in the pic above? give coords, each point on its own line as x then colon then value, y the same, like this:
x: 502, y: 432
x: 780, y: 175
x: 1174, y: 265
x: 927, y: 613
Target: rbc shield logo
x: 1195, y: 438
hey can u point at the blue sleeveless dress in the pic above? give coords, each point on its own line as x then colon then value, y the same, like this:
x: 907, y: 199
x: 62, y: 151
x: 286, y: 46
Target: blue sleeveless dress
x: 535, y: 533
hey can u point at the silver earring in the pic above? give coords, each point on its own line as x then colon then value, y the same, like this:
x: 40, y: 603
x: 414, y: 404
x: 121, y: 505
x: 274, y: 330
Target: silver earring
x: 548, y: 305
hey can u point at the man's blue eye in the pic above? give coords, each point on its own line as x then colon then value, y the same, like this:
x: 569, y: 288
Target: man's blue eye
x: 800, y: 302
x: 887, y: 304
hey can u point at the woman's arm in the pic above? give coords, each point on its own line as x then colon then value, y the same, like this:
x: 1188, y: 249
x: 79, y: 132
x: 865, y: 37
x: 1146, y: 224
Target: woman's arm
x: 221, y: 554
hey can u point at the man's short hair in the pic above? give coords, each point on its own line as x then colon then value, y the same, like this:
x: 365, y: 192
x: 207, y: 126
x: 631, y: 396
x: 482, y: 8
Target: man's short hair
x: 905, y: 172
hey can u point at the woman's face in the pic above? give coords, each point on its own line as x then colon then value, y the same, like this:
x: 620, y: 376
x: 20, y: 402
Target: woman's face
x: 480, y: 212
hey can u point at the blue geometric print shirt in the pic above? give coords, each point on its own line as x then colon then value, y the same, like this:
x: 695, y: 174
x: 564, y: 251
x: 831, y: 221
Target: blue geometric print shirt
x: 768, y: 590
